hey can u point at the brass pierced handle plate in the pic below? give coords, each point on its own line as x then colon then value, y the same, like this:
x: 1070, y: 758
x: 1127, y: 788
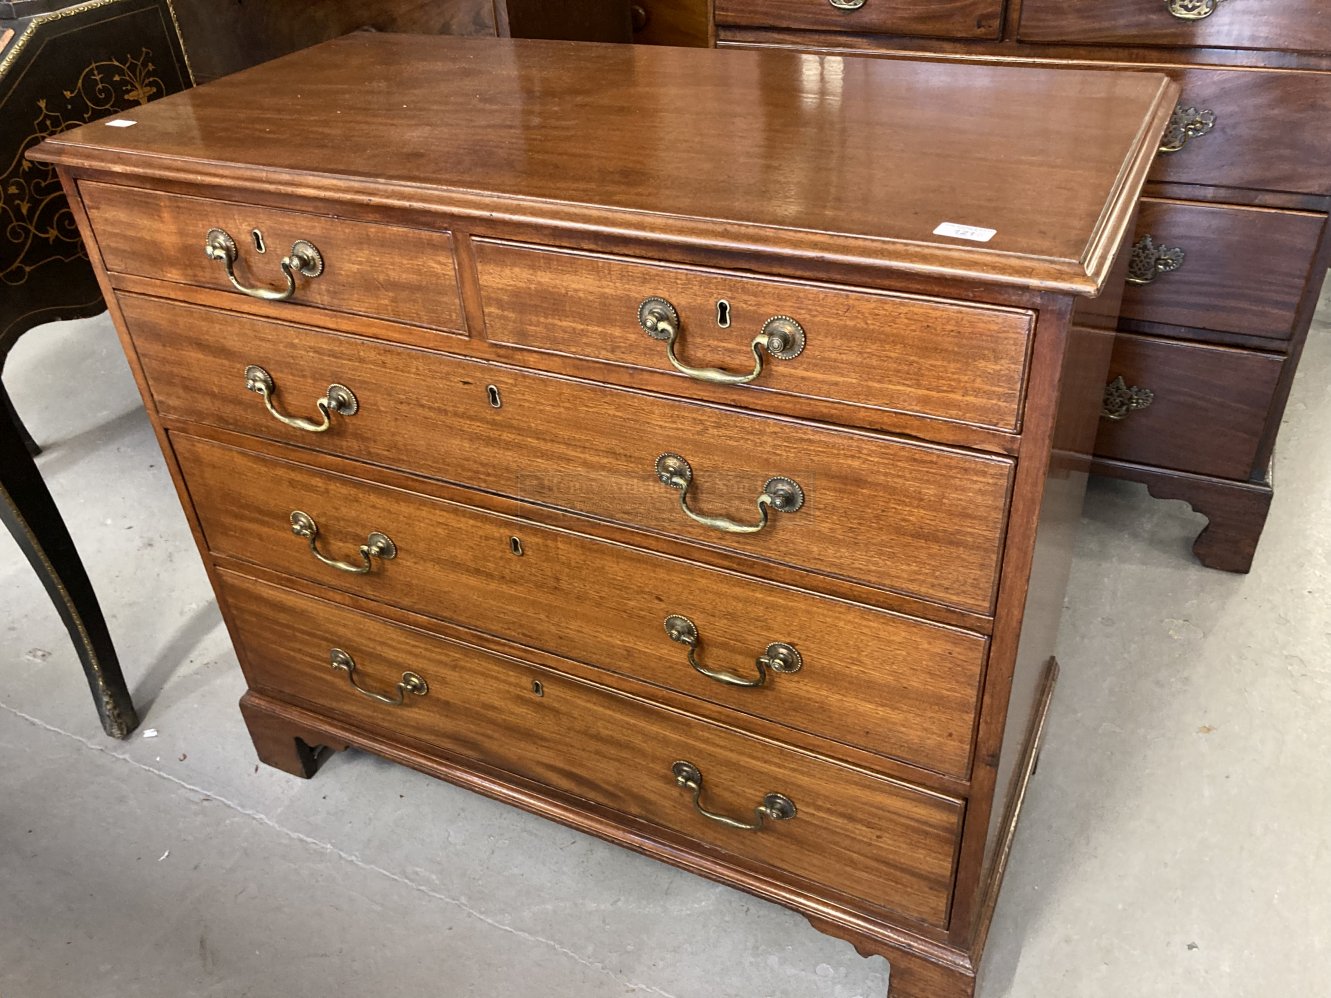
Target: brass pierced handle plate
x: 304, y: 259
x: 1149, y: 261
x: 779, y: 656
x: 774, y: 807
x: 339, y: 399
x: 779, y: 493
x: 847, y: 4
x: 1120, y: 400
x: 377, y: 545
x: 411, y: 681
x: 780, y: 337
x: 1184, y: 124
x: 1192, y: 10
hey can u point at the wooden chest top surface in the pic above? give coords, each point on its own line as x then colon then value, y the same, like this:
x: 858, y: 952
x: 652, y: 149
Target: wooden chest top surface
x: 811, y: 155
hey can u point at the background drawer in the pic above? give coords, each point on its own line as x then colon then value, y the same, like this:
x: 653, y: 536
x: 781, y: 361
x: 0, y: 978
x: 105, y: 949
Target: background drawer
x: 886, y: 683
x: 1295, y: 25
x: 938, y: 18
x: 1209, y: 409
x: 1269, y: 131
x: 912, y: 355
x: 879, y: 510
x: 854, y: 832
x: 382, y: 271
x: 1244, y: 269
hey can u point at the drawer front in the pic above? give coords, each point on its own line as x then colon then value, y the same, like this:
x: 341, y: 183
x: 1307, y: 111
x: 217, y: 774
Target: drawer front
x: 911, y: 355
x: 1260, y: 129
x: 877, y: 839
x: 381, y: 271
x: 1243, y: 270
x: 922, y: 520
x: 1208, y: 406
x: 1293, y: 25
x: 935, y: 18
x: 887, y: 683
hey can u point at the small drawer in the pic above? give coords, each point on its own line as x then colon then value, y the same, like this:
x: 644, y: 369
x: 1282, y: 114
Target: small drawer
x: 870, y: 350
x: 365, y: 268
x: 1258, y: 129
x: 1207, y: 406
x: 923, y: 520
x: 864, y: 835
x: 931, y: 18
x: 1222, y: 267
x: 1292, y: 25
x: 880, y: 681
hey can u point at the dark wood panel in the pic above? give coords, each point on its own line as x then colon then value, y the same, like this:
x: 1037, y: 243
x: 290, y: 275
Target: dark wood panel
x: 1244, y: 270
x: 1294, y: 25
x: 945, y: 18
x: 871, y: 837
x: 672, y: 22
x: 927, y: 520
x: 948, y: 360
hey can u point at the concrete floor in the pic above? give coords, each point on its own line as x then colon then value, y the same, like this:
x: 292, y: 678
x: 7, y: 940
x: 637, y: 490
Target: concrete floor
x: 1175, y: 842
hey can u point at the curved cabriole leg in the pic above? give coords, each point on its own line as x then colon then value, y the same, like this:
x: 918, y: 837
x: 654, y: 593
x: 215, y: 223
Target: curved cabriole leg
x: 27, y: 510
x: 284, y: 743
x: 8, y: 412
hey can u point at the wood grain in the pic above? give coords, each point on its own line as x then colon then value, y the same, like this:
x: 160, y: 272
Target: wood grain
x: 382, y: 271
x: 870, y: 837
x: 1245, y: 270
x: 943, y: 18
x: 942, y: 359
x: 924, y: 520
x: 1209, y: 407
x: 891, y: 684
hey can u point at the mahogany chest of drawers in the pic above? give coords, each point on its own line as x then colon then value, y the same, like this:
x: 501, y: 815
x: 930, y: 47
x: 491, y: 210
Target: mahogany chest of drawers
x: 1231, y: 245
x: 679, y: 444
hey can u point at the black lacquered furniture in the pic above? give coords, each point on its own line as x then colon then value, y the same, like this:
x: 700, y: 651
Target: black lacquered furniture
x: 63, y: 65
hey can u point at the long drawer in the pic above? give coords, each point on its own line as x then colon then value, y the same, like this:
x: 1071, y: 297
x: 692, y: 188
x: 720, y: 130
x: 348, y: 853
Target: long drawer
x: 382, y: 271
x: 939, y: 18
x: 1242, y: 270
x: 855, y: 832
x: 918, y: 519
x: 891, y: 684
x: 914, y: 355
x: 1208, y: 407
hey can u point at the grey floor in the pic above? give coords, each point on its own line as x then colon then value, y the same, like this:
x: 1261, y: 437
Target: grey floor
x: 1176, y: 841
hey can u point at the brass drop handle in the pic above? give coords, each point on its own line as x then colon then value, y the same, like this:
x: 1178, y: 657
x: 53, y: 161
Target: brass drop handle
x: 377, y: 545
x: 847, y: 4
x: 1120, y: 400
x: 1148, y: 261
x: 411, y: 681
x: 1184, y: 124
x: 779, y: 657
x: 305, y: 260
x: 774, y: 807
x: 782, y: 494
x: 339, y: 399
x: 781, y: 337
x: 1192, y: 10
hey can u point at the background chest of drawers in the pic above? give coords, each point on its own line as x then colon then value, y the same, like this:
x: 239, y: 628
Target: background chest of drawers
x: 1231, y: 242
x: 611, y: 445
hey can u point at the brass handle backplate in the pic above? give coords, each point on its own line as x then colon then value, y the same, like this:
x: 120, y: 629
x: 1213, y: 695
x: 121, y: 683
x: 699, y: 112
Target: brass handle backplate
x: 847, y: 4
x: 781, y: 337
x: 339, y: 399
x: 377, y: 545
x: 781, y: 494
x: 1149, y: 261
x: 1120, y: 399
x: 304, y: 259
x: 1192, y: 10
x: 774, y: 807
x: 1184, y: 124
x: 411, y: 681
x: 779, y: 656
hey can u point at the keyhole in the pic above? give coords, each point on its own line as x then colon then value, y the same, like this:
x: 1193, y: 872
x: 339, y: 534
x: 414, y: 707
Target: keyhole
x: 515, y: 545
x: 537, y: 688
x: 493, y: 392
x: 257, y: 236
x: 723, y: 314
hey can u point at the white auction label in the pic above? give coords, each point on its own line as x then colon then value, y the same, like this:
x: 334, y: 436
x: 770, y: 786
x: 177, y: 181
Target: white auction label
x: 972, y: 232
x: 120, y: 123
